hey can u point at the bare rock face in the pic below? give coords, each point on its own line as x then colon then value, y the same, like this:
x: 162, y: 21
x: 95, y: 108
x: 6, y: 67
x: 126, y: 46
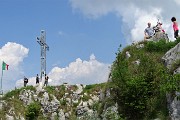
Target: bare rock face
x: 173, y: 102
x: 158, y: 36
x: 47, y: 105
x: 26, y: 96
x: 2, y: 104
x: 171, y: 56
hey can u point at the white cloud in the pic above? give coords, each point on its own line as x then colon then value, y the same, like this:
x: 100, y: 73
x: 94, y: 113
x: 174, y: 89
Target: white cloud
x: 78, y: 72
x: 177, y: 1
x: 12, y: 54
x: 134, y: 13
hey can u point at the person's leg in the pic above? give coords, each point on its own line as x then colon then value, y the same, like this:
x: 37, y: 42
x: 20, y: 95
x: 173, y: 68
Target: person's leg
x: 146, y: 37
x: 176, y: 34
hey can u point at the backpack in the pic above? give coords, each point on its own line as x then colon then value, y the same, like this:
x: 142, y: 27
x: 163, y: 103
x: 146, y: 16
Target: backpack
x: 26, y: 80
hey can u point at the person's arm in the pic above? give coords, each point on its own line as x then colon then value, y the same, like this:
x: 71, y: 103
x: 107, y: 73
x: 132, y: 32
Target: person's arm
x: 145, y: 32
x: 176, y: 24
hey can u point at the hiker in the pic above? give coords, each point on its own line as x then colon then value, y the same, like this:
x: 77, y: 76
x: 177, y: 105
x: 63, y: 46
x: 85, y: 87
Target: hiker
x: 175, y: 27
x: 37, y: 79
x: 25, y: 81
x: 148, y: 32
x: 46, y: 80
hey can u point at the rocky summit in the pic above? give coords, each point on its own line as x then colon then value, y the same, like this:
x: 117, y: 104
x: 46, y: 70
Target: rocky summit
x: 56, y: 103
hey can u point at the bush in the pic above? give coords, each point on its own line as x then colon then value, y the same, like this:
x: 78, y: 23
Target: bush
x: 32, y: 111
x: 160, y: 46
x: 137, y: 88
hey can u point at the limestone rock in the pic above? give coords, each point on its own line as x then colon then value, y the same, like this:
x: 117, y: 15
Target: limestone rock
x: 8, y: 117
x: 128, y: 54
x: 172, y: 55
x: 140, y: 46
x: 173, y: 103
x: 61, y: 115
x: 137, y: 62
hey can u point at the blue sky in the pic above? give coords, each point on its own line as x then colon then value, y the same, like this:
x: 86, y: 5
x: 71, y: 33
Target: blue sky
x: 75, y: 31
x: 70, y: 35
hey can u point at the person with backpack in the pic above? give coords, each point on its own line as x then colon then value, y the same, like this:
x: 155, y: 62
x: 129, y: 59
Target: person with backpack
x: 25, y: 81
x: 175, y: 27
x: 46, y: 80
x: 37, y: 79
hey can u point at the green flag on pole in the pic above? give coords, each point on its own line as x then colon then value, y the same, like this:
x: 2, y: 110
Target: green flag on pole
x: 4, y: 66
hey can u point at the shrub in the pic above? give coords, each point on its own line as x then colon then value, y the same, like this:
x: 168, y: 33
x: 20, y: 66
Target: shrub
x: 32, y: 111
x: 137, y: 88
x: 160, y: 46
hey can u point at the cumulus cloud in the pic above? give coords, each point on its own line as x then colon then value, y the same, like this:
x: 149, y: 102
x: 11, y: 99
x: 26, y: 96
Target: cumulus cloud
x: 134, y: 13
x: 12, y: 54
x: 78, y: 72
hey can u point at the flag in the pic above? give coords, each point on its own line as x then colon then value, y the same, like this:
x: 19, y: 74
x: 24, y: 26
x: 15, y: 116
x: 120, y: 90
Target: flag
x: 4, y: 66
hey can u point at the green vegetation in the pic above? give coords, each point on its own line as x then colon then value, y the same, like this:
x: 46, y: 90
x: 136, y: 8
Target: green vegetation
x: 94, y: 87
x: 140, y: 90
x: 32, y: 111
x: 160, y: 46
x: 16, y: 92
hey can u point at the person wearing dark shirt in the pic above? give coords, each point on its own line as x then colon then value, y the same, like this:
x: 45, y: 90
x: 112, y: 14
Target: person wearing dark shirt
x: 46, y: 80
x: 25, y: 81
x: 37, y: 79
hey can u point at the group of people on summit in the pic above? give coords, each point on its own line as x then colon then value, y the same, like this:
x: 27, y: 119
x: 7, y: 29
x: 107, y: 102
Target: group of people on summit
x: 149, y: 32
x: 37, y: 80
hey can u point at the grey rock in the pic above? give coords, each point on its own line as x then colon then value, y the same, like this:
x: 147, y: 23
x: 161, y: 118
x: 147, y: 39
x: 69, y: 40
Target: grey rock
x: 128, y: 54
x: 140, y: 46
x: 173, y: 103
x: 53, y: 115
x: 177, y: 71
x: 171, y: 56
x: 61, y: 115
x: 67, y: 115
x: 8, y: 117
x: 2, y: 104
x: 137, y: 62
x: 26, y: 96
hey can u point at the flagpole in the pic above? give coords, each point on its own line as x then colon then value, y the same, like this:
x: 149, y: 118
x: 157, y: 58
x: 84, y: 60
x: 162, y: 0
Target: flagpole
x: 1, y: 84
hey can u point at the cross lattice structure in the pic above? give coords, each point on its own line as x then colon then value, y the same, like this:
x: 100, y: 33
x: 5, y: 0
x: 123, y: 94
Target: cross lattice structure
x: 44, y: 47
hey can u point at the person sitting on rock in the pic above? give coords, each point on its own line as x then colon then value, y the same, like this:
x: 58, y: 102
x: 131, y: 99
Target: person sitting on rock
x: 148, y: 32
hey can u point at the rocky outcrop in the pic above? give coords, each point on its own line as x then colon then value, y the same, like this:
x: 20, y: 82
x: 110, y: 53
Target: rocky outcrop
x: 169, y: 58
x: 73, y: 101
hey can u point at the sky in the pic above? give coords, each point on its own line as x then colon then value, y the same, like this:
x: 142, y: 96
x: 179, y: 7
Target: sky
x: 83, y: 36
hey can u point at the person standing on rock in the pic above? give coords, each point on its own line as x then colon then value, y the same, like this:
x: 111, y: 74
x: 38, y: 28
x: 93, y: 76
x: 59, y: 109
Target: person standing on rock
x: 46, y: 80
x: 37, y: 79
x: 175, y: 27
x: 25, y: 81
